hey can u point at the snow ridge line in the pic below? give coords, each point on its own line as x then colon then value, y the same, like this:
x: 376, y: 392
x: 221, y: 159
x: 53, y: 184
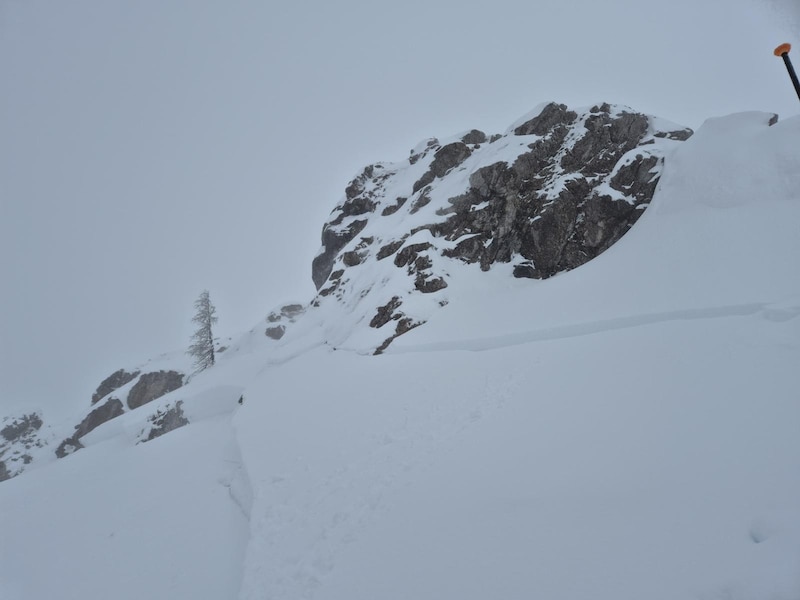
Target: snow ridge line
x: 772, y: 312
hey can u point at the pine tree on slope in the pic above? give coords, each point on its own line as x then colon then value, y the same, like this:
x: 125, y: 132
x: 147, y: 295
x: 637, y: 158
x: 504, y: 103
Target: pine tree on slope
x: 202, y: 348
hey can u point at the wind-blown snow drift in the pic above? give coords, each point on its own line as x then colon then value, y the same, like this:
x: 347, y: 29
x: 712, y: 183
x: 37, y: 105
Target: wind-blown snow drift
x: 627, y: 429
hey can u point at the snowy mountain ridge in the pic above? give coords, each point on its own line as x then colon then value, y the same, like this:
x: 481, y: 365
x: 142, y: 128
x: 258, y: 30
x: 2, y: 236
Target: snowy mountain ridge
x: 556, y: 189
x: 626, y: 428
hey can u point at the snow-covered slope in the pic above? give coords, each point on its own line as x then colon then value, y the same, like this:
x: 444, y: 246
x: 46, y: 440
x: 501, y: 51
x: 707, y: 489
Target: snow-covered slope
x: 625, y: 429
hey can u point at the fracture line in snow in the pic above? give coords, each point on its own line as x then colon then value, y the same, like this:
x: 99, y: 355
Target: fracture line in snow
x: 772, y: 312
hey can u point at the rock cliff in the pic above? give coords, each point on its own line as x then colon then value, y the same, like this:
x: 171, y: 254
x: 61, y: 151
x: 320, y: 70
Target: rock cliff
x: 558, y: 188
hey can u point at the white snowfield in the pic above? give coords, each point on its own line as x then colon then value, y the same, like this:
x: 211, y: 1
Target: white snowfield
x: 628, y: 430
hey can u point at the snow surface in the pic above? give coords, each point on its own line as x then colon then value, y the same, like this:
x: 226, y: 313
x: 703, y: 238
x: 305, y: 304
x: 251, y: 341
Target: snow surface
x: 625, y: 430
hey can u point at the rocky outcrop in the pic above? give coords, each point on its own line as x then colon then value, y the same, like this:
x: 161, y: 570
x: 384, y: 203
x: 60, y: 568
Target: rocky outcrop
x: 21, y: 428
x: 18, y: 437
x: 110, y: 409
x: 107, y: 411
x: 359, y: 200
x: 113, y: 382
x: 68, y: 446
x: 153, y: 385
x: 556, y: 190
x: 571, y: 196
x: 278, y: 320
x: 149, y: 387
x: 552, y: 117
x: 444, y: 160
x: 164, y: 421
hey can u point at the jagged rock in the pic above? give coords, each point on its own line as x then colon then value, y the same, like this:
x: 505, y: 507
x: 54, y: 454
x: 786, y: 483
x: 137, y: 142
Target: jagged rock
x: 153, y: 385
x: 333, y: 240
x: 113, y: 382
x: 148, y: 387
x: 422, y: 149
x: 422, y: 201
x: 112, y: 408
x: 548, y: 119
x: 281, y: 318
x: 166, y: 420
x: 389, y: 249
x: 428, y: 285
x: 351, y: 259
x: 474, y: 137
x: 390, y: 210
x: 554, y: 234
x: 17, y: 437
x: 21, y: 427
x: 682, y: 135
x: 549, y: 195
x: 385, y: 313
x: 410, y: 253
x: 446, y: 158
x: 404, y: 325
x: 68, y: 446
x: 344, y: 226
x: 607, y: 139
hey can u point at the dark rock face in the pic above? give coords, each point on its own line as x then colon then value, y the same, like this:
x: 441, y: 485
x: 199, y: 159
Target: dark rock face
x: 546, y: 197
x: 166, y: 420
x: 551, y: 117
x: 276, y: 332
x: 418, y: 262
x: 474, y: 137
x: 446, y: 158
x: 112, y: 408
x: 153, y: 385
x: 281, y: 318
x: 17, y: 438
x: 359, y: 200
x: 333, y: 240
x: 68, y: 446
x: 545, y: 232
x: 388, y: 313
x: 149, y: 387
x: 21, y: 427
x: 113, y: 382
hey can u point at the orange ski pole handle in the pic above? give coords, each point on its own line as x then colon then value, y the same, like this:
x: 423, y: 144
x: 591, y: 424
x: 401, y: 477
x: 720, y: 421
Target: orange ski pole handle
x: 783, y: 52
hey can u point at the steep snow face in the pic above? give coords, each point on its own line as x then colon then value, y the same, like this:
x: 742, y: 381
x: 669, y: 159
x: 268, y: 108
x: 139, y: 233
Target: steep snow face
x: 625, y: 429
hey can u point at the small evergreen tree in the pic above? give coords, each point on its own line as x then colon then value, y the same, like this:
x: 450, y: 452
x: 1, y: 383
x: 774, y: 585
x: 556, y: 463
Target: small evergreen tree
x: 202, y: 348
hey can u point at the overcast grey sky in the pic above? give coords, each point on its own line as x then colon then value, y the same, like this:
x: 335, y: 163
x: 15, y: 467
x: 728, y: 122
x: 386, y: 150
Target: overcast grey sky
x: 150, y: 150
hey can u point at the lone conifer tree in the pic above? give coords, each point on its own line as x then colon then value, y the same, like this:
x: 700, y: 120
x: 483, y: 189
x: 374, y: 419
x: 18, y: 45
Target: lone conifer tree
x: 202, y: 348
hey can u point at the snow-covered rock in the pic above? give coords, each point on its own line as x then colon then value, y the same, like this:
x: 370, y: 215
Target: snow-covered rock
x: 558, y: 188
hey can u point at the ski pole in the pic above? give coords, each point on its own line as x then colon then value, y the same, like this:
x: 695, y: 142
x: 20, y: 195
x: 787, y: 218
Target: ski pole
x: 783, y: 52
